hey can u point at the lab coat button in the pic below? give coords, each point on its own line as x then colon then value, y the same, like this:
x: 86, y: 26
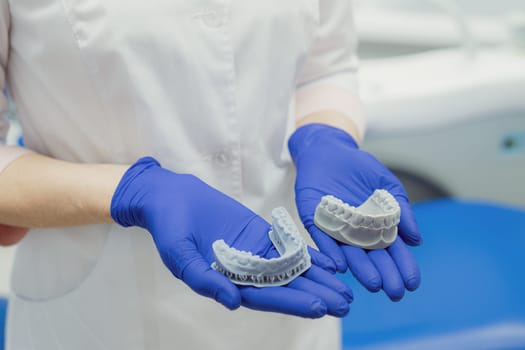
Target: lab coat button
x: 222, y: 158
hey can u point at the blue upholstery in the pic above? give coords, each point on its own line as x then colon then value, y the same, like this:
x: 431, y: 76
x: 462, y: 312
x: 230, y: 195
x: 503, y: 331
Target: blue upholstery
x: 473, y: 285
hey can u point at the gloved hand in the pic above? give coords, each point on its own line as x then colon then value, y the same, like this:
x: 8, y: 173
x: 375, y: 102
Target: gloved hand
x: 328, y: 161
x: 185, y: 216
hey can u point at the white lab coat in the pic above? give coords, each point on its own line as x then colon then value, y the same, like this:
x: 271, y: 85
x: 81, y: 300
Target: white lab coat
x: 205, y: 86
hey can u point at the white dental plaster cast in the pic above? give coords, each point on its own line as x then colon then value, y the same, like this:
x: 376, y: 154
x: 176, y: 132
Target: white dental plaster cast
x: 372, y: 225
x: 246, y: 269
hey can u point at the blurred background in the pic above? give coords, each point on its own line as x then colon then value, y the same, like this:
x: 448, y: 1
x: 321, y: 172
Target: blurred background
x: 444, y: 85
x: 443, y: 82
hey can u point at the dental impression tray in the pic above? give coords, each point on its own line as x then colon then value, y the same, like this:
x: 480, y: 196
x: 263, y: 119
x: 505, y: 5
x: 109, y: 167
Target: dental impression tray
x: 246, y: 269
x: 372, y: 225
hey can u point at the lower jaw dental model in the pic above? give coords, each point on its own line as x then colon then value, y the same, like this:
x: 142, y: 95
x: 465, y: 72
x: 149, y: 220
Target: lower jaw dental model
x: 246, y: 269
x: 372, y: 225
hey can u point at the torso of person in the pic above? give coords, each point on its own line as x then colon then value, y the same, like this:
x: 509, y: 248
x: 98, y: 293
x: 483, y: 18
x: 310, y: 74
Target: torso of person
x: 204, y: 86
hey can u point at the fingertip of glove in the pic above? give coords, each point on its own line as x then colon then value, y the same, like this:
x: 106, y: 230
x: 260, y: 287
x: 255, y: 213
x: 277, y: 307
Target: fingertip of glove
x: 321, y: 260
x: 318, y: 309
x: 373, y: 285
x: 340, y: 264
x: 342, y: 310
x: 229, y: 296
x: 409, y: 231
x: 229, y: 300
x: 408, y: 228
x: 412, y: 242
x: 395, y: 293
x: 412, y: 283
x: 329, y: 265
x: 331, y: 269
x: 396, y: 297
x: 348, y: 295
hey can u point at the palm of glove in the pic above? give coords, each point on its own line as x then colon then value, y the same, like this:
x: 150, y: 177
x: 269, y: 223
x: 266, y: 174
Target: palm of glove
x: 328, y: 161
x: 195, y: 224
x: 185, y: 216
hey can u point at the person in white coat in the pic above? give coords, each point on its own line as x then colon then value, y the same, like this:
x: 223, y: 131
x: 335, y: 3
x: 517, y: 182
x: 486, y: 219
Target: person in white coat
x: 214, y: 91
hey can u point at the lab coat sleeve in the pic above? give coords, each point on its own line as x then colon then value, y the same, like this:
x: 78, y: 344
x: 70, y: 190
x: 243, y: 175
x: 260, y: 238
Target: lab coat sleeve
x: 7, y: 154
x: 328, y: 78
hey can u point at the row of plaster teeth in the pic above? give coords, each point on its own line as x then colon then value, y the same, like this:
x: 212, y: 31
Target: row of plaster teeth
x: 385, y: 200
x: 284, y: 235
x: 245, y: 268
x: 246, y: 258
x: 372, y: 225
x: 261, y: 279
x: 350, y: 215
x: 336, y: 207
x: 239, y: 256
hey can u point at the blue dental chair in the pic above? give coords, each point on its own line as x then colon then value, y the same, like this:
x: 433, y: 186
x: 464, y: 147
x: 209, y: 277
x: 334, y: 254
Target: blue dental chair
x: 472, y: 294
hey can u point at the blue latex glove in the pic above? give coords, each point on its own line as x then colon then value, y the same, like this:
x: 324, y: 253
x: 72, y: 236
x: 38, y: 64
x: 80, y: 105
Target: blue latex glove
x: 185, y: 216
x: 328, y: 161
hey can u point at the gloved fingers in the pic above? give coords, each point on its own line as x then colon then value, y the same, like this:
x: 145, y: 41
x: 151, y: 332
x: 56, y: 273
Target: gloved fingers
x: 200, y: 277
x: 362, y: 268
x: 329, y: 247
x: 392, y: 282
x: 408, y: 229
x: 406, y: 264
x: 326, y: 279
x: 321, y: 260
x: 283, y: 300
x: 336, y: 304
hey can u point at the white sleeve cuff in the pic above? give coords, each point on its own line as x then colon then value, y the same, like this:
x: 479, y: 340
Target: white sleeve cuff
x: 319, y: 97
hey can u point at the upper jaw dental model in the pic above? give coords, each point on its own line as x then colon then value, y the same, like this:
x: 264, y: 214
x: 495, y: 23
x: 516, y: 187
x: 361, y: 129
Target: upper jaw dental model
x: 372, y: 225
x: 246, y: 269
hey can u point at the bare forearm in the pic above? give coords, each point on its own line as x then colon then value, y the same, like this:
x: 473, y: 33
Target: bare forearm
x: 38, y: 191
x: 332, y: 118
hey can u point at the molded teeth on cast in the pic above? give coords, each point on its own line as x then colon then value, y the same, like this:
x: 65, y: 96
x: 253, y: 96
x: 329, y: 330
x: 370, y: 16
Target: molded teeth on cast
x: 372, y: 225
x: 244, y: 268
